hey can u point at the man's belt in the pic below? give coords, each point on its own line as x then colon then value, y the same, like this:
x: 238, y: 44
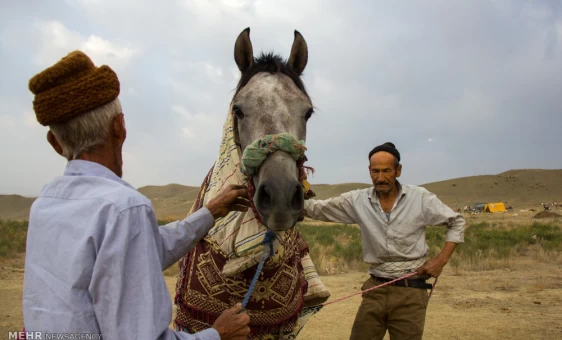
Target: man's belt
x: 413, y: 283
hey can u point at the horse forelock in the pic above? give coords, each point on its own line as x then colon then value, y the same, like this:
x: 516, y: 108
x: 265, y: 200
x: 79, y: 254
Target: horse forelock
x: 271, y: 63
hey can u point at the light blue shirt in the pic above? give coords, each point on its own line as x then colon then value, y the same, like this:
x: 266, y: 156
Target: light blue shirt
x: 95, y: 257
x: 399, y: 237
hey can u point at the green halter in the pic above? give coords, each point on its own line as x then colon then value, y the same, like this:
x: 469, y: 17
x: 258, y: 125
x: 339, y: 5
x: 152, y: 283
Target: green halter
x: 256, y: 153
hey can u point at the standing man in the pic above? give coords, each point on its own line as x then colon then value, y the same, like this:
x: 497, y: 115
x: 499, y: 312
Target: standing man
x: 95, y: 253
x: 393, y: 217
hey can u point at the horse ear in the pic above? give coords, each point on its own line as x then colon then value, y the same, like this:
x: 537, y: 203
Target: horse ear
x: 299, y: 54
x: 243, y: 53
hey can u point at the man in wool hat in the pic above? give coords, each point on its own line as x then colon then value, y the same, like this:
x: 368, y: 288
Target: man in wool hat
x: 95, y: 253
x: 393, y: 217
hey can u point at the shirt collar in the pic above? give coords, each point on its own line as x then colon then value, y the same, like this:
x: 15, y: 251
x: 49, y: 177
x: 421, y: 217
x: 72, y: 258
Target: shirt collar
x: 402, y: 190
x: 79, y: 167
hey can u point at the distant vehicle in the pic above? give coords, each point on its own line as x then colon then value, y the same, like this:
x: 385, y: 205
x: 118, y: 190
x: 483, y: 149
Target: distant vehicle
x: 479, y: 208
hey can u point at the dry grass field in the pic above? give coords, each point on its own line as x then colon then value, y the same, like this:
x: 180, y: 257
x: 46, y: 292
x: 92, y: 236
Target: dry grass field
x: 509, y: 287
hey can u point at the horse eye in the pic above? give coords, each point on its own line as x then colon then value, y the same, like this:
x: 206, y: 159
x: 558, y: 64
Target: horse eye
x: 309, y: 114
x: 236, y: 110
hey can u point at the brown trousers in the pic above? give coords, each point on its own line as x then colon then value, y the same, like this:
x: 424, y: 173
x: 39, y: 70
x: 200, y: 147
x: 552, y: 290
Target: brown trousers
x: 401, y: 310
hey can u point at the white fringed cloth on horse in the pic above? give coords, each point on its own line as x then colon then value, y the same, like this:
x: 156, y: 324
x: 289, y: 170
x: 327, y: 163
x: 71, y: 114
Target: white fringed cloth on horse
x: 218, y: 272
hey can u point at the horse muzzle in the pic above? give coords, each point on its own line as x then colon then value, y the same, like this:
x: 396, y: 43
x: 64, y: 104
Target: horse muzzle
x: 279, y: 196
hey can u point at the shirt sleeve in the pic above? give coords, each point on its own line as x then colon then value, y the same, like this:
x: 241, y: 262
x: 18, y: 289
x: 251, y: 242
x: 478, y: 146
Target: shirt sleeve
x: 438, y: 214
x: 127, y: 289
x: 177, y: 238
x: 338, y: 209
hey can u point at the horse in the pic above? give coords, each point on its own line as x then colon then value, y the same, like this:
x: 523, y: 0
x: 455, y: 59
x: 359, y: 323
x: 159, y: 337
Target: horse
x: 270, y: 107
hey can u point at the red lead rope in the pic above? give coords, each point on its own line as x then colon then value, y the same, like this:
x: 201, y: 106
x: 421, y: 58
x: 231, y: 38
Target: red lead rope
x: 251, y: 193
x: 318, y: 307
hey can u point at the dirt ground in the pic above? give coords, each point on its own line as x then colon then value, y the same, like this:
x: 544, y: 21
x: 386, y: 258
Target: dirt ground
x: 524, y: 302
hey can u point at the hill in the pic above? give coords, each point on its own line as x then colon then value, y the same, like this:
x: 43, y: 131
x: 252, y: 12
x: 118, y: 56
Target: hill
x: 171, y: 201
x: 324, y: 191
x: 521, y: 189
x: 15, y: 207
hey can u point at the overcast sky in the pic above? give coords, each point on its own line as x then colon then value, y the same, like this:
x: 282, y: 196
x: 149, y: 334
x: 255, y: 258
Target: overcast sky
x: 461, y: 87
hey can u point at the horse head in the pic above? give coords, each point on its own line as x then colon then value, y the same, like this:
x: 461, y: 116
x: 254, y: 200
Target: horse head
x: 271, y: 98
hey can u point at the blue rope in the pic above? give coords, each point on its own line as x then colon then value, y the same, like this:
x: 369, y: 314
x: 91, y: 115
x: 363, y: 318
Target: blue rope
x: 267, y: 241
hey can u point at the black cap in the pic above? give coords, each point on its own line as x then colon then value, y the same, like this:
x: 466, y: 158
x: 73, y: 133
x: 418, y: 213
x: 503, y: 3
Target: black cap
x: 388, y: 147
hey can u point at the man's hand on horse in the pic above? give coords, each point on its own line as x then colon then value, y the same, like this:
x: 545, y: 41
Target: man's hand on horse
x: 433, y: 267
x: 234, y: 197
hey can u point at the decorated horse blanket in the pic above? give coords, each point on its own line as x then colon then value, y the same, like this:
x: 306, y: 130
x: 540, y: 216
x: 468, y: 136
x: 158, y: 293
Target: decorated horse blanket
x: 218, y: 272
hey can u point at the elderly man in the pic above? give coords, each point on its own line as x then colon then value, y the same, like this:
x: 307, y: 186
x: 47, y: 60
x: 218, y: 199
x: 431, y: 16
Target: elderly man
x: 393, y: 217
x: 95, y: 253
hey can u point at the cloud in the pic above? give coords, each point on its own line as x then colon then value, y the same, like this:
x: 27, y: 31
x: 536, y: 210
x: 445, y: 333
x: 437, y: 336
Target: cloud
x: 213, y: 12
x: 474, y: 74
x: 199, y: 128
x: 322, y: 83
x: 7, y: 122
x: 208, y: 69
x: 30, y: 120
x: 86, y: 3
x: 136, y: 168
x: 189, y: 91
x: 132, y: 92
x: 56, y: 40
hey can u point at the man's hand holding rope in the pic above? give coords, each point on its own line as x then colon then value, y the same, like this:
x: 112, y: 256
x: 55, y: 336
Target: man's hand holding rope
x: 434, y: 267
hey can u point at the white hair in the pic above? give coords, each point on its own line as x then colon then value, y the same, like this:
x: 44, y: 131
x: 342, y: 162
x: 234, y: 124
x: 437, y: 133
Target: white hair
x: 86, y: 131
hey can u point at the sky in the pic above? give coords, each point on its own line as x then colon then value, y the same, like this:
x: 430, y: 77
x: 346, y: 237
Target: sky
x: 461, y: 88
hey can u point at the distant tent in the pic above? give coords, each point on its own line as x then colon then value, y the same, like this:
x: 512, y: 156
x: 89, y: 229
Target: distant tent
x: 494, y: 207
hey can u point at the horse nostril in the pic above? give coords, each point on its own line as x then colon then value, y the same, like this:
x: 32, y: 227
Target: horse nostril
x: 297, y: 202
x: 264, y: 198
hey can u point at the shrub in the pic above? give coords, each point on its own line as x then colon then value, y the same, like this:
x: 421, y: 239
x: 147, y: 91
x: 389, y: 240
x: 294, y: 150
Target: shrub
x: 13, y: 235
x: 337, y: 248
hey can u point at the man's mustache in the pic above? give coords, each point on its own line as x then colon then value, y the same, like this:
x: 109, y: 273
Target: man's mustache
x: 382, y: 183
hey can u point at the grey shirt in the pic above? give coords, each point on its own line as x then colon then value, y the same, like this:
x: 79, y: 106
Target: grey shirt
x: 95, y: 256
x: 399, y: 238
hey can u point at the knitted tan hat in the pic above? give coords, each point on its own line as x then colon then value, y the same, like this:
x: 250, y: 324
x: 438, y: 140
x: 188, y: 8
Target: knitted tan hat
x: 71, y: 87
